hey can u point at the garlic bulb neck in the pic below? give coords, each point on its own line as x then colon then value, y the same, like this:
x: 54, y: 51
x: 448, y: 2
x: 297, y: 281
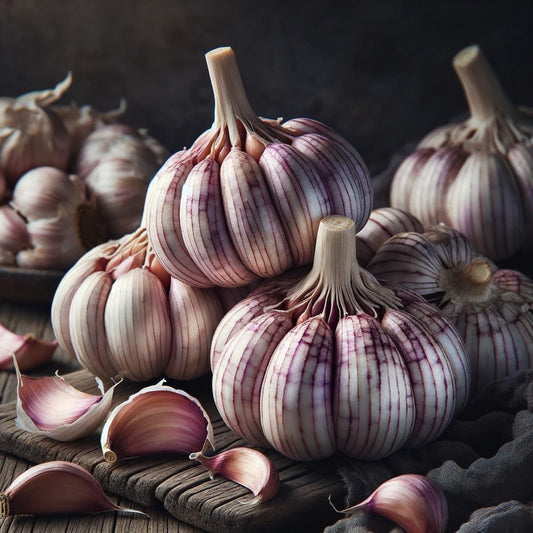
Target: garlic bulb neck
x: 494, y: 121
x: 470, y: 282
x: 234, y: 117
x: 337, y: 286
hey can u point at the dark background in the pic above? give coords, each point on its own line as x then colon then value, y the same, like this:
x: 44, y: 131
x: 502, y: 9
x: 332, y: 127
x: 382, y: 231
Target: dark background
x: 378, y: 72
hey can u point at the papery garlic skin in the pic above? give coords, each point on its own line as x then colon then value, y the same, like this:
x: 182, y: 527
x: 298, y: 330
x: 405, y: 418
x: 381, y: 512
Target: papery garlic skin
x: 120, y: 314
x: 116, y: 162
x: 246, y: 466
x: 157, y: 419
x: 477, y: 175
x: 244, y: 201
x: 490, y: 307
x: 411, y: 501
x: 32, y: 134
x: 55, y: 488
x: 51, y: 221
x: 337, y: 362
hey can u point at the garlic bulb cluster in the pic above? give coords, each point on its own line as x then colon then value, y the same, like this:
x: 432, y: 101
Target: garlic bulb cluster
x: 32, y: 134
x: 121, y: 314
x: 337, y: 361
x: 116, y: 162
x: 477, y: 175
x: 245, y: 200
x: 490, y: 307
x: 50, y: 222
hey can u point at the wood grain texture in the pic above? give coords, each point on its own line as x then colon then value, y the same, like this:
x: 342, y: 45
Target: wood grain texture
x: 184, y: 487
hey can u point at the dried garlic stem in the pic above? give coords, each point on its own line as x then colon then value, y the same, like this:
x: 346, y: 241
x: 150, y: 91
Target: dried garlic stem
x: 469, y: 283
x: 347, y: 288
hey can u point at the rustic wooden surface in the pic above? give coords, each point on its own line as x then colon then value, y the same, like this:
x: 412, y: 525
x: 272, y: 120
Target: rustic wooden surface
x: 177, y: 494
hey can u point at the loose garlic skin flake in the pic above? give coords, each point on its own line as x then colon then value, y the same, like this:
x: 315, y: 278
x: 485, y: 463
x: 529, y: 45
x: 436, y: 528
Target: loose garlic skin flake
x: 245, y: 200
x: 477, y: 175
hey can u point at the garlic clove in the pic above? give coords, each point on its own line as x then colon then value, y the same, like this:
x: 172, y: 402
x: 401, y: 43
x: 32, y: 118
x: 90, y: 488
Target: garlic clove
x: 13, y: 231
x: 157, y: 419
x: 373, y: 399
x: 243, y: 363
x: 297, y: 386
x: 56, y: 487
x: 27, y: 350
x: 411, y: 501
x: 246, y: 466
x: 50, y: 406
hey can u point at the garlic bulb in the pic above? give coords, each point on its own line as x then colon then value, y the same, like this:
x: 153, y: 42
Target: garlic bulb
x: 411, y: 501
x: 339, y: 362
x: 32, y: 134
x: 50, y: 221
x: 116, y: 162
x: 157, y: 419
x: 490, y: 307
x: 121, y: 314
x: 245, y: 200
x: 477, y: 175
x: 56, y: 488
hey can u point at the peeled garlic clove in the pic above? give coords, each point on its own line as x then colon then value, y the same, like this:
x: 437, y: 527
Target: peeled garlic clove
x: 157, y: 419
x: 246, y: 466
x: 50, y: 406
x: 55, y: 487
x: 411, y: 501
x: 28, y: 351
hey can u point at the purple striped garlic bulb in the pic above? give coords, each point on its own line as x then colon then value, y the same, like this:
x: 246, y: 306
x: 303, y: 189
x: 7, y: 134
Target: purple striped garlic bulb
x: 476, y: 175
x: 336, y: 361
x: 490, y: 307
x: 120, y: 314
x: 245, y: 200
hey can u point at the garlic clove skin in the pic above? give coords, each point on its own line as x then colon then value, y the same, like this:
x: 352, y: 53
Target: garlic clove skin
x: 51, y: 407
x: 157, y: 419
x: 56, y: 487
x: 28, y: 351
x: 246, y: 466
x: 14, y: 234
x: 411, y: 501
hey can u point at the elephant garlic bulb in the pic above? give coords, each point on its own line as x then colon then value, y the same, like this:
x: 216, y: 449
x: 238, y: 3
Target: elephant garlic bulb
x: 490, y: 307
x: 339, y: 362
x: 32, y: 134
x: 121, y: 315
x: 116, y: 162
x: 50, y: 222
x: 245, y: 200
x: 477, y: 175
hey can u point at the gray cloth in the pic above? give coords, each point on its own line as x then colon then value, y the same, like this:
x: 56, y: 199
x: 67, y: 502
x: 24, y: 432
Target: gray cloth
x: 483, y: 463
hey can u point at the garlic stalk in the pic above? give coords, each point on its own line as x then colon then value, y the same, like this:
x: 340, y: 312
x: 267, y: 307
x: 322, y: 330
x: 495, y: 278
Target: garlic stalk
x: 51, y: 221
x: 56, y: 488
x: 476, y: 175
x: 246, y: 466
x: 245, y: 200
x: 27, y: 350
x: 116, y: 163
x: 338, y: 363
x: 411, y: 501
x: 32, y: 134
x: 50, y: 406
x: 121, y: 314
x: 490, y: 307
x: 157, y: 419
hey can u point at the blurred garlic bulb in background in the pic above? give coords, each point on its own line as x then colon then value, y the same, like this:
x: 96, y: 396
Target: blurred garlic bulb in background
x: 32, y: 134
x: 116, y: 163
x: 477, y: 175
x: 50, y: 221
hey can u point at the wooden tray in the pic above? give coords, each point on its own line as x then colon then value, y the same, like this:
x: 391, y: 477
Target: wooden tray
x: 183, y: 486
x: 28, y: 286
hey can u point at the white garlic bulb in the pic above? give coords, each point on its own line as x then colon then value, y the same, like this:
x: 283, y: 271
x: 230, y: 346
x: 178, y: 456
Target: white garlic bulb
x: 477, y: 175
x: 490, y: 307
x: 50, y: 221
